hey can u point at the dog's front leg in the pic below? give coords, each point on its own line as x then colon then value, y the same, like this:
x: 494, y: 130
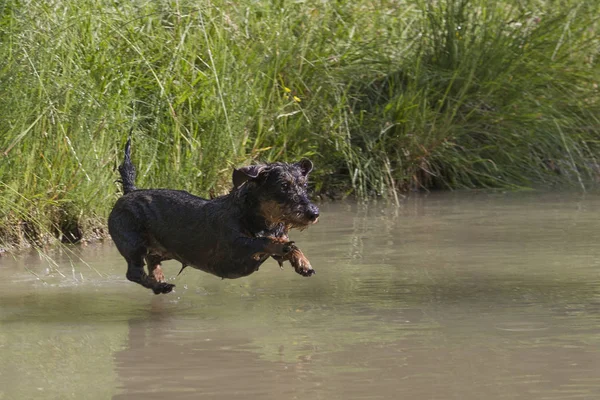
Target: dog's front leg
x: 264, y: 246
x: 296, y: 258
x: 299, y: 262
x: 281, y: 259
x: 281, y: 249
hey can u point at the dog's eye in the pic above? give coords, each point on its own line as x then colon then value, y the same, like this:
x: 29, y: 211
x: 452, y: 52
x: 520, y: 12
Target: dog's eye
x: 285, y: 185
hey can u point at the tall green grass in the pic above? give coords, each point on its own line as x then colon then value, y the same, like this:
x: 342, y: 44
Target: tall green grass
x: 382, y: 95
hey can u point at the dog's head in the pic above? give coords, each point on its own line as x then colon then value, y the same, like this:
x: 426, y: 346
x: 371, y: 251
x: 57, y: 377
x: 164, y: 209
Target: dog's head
x: 280, y: 191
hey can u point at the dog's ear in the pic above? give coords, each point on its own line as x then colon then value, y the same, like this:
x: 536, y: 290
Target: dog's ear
x: 305, y: 166
x: 241, y: 175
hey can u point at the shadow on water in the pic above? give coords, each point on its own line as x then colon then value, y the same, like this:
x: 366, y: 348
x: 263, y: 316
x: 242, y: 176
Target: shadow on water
x: 448, y: 297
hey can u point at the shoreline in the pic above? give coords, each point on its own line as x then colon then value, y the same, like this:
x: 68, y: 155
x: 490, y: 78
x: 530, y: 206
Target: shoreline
x: 98, y: 233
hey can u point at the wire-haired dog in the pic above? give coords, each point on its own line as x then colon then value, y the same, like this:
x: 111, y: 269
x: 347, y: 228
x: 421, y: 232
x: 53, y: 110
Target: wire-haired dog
x: 229, y: 236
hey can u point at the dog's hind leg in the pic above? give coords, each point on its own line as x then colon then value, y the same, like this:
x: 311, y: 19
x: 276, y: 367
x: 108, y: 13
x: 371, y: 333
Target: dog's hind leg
x: 135, y: 269
x: 154, y: 268
x: 129, y: 239
x: 136, y: 273
x: 134, y: 253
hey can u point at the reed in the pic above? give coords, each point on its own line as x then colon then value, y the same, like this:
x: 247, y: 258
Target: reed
x: 384, y: 96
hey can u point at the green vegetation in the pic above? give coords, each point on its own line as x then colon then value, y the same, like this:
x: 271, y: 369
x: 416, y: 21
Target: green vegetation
x: 388, y: 95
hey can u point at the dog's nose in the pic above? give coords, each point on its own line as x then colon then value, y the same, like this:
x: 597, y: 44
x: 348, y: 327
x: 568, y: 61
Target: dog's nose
x: 312, y: 213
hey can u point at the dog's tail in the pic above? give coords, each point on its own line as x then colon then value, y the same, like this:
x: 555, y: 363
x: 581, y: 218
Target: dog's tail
x: 127, y: 170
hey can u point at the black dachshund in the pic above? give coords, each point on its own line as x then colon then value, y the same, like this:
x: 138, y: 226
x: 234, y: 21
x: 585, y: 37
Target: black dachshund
x: 229, y: 236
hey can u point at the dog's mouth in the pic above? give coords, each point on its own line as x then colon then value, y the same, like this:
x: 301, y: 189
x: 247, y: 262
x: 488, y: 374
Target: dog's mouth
x: 311, y: 220
x: 299, y: 219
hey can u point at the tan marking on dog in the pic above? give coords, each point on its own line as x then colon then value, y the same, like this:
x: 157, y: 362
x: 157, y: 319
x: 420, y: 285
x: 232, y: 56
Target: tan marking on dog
x: 272, y: 212
x: 157, y: 273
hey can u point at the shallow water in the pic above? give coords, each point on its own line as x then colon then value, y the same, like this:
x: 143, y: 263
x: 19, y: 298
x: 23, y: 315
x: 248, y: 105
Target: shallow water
x: 451, y: 296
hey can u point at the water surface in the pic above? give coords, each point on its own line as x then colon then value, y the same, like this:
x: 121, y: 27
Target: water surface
x: 451, y: 296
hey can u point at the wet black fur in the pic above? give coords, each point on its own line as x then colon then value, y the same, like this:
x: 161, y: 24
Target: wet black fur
x: 229, y: 236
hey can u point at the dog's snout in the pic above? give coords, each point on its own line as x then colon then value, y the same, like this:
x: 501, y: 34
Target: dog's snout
x: 312, y: 213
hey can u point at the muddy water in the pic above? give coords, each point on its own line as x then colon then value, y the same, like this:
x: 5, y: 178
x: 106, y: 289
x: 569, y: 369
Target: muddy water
x: 453, y: 296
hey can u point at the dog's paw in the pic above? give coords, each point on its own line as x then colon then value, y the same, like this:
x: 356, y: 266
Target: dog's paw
x: 306, y: 272
x: 163, y: 287
x: 301, y: 264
